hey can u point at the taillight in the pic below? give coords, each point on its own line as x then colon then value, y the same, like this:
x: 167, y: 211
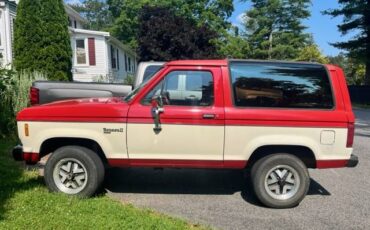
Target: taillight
x: 350, y: 134
x: 34, y: 96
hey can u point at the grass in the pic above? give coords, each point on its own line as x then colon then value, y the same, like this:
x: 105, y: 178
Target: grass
x: 25, y: 203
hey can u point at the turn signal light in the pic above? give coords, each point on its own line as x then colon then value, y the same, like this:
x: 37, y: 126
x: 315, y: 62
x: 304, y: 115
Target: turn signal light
x: 26, y: 130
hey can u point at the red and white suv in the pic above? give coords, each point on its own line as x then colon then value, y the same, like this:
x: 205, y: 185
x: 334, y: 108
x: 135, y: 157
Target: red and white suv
x: 276, y: 118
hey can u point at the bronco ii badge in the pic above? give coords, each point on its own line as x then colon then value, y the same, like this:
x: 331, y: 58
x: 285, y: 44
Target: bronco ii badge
x: 109, y: 131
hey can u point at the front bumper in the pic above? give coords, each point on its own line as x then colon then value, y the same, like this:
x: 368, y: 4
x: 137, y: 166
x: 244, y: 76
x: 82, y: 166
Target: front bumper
x: 353, y: 161
x: 19, y: 155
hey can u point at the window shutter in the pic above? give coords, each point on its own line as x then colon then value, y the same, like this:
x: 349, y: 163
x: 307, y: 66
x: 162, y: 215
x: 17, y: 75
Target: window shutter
x: 92, y: 58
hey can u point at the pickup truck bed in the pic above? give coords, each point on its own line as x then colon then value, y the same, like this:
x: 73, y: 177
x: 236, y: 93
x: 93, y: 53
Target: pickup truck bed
x: 49, y: 91
x: 43, y: 92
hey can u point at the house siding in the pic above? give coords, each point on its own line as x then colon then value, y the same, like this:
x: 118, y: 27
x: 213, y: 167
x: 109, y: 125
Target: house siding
x: 119, y: 75
x: 89, y: 73
x: 7, y: 15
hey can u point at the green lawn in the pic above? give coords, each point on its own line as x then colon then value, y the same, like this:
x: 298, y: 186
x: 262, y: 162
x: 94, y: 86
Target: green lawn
x: 25, y: 203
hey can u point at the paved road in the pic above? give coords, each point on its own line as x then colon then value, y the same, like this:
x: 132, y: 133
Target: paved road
x: 337, y: 199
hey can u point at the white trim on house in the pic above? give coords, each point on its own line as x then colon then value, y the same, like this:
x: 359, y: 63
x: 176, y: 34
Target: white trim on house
x: 86, y: 47
x: 89, y: 32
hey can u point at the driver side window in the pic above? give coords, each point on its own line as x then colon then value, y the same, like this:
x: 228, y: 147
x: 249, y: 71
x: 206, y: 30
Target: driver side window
x: 184, y: 88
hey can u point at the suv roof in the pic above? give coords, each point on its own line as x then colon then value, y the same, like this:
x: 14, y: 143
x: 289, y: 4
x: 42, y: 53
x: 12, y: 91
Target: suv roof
x: 224, y: 62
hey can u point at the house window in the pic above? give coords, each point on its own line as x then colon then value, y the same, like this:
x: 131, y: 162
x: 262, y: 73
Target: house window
x: 75, y: 24
x: 126, y: 68
x: 81, y: 55
x: 69, y: 22
x: 113, y: 58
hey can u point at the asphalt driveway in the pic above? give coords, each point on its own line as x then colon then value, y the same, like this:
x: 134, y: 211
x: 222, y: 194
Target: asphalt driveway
x: 337, y: 199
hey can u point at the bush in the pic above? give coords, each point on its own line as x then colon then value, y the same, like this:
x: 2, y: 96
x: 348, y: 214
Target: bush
x: 129, y: 80
x: 41, y: 39
x: 14, y: 90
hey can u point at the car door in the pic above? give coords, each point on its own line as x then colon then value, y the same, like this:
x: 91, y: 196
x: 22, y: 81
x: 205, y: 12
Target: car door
x: 192, y: 121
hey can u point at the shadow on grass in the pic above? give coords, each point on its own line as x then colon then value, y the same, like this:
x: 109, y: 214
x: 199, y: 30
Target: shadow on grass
x: 12, y: 177
x: 188, y: 181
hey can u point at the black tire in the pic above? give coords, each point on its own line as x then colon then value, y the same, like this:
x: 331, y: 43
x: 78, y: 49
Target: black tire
x: 90, y: 162
x: 265, y: 166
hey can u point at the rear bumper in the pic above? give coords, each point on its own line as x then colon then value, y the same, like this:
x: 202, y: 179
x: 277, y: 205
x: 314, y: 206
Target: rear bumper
x: 353, y: 161
x: 19, y: 155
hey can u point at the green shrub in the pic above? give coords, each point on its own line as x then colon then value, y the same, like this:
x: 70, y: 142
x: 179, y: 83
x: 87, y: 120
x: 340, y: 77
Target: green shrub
x: 41, y: 39
x: 14, y: 90
x: 129, y: 80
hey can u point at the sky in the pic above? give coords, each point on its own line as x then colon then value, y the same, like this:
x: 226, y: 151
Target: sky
x: 322, y: 27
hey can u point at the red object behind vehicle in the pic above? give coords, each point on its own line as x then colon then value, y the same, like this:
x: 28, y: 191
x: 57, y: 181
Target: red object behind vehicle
x: 34, y: 96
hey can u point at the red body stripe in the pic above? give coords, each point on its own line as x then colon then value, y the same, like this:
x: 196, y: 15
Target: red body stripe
x: 322, y: 164
x: 176, y: 163
x: 261, y: 123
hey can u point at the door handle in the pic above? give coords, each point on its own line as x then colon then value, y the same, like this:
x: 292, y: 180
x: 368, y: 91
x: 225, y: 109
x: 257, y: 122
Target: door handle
x: 209, y: 116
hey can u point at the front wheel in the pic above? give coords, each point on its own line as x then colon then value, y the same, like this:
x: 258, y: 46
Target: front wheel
x: 280, y: 180
x: 74, y: 170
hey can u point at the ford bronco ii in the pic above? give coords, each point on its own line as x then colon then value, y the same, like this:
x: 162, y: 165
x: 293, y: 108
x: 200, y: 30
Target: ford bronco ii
x: 275, y: 118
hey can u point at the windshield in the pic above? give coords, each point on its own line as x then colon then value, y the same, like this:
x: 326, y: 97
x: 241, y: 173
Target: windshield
x: 134, y: 92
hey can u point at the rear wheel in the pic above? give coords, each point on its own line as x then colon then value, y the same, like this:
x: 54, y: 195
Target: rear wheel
x: 280, y: 180
x: 74, y: 170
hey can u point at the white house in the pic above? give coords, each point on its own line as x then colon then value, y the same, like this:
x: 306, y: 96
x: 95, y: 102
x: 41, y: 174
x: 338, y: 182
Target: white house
x: 7, y: 16
x: 97, y: 56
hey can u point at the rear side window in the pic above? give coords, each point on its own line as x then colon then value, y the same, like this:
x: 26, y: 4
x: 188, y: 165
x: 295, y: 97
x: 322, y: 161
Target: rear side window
x: 281, y: 85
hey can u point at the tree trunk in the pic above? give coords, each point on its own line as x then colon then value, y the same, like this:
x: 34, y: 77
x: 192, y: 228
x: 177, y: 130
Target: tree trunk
x: 270, y: 47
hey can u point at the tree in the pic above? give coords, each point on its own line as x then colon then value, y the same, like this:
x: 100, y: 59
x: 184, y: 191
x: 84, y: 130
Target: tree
x: 165, y: 36
x: 214, y: 13
x: 96, y: 12
x: 233, y: 45
x: 42, y: 40
x: 353, y: 69
x: 274, y: 28
x: 312, y: 53
x: 356, y: 17
x: 56, y: 45
x: 28, y: 34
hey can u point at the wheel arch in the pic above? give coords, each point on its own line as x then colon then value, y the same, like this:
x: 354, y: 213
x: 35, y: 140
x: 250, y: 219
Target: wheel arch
x: 51, y: 144
x: 304, y: 153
